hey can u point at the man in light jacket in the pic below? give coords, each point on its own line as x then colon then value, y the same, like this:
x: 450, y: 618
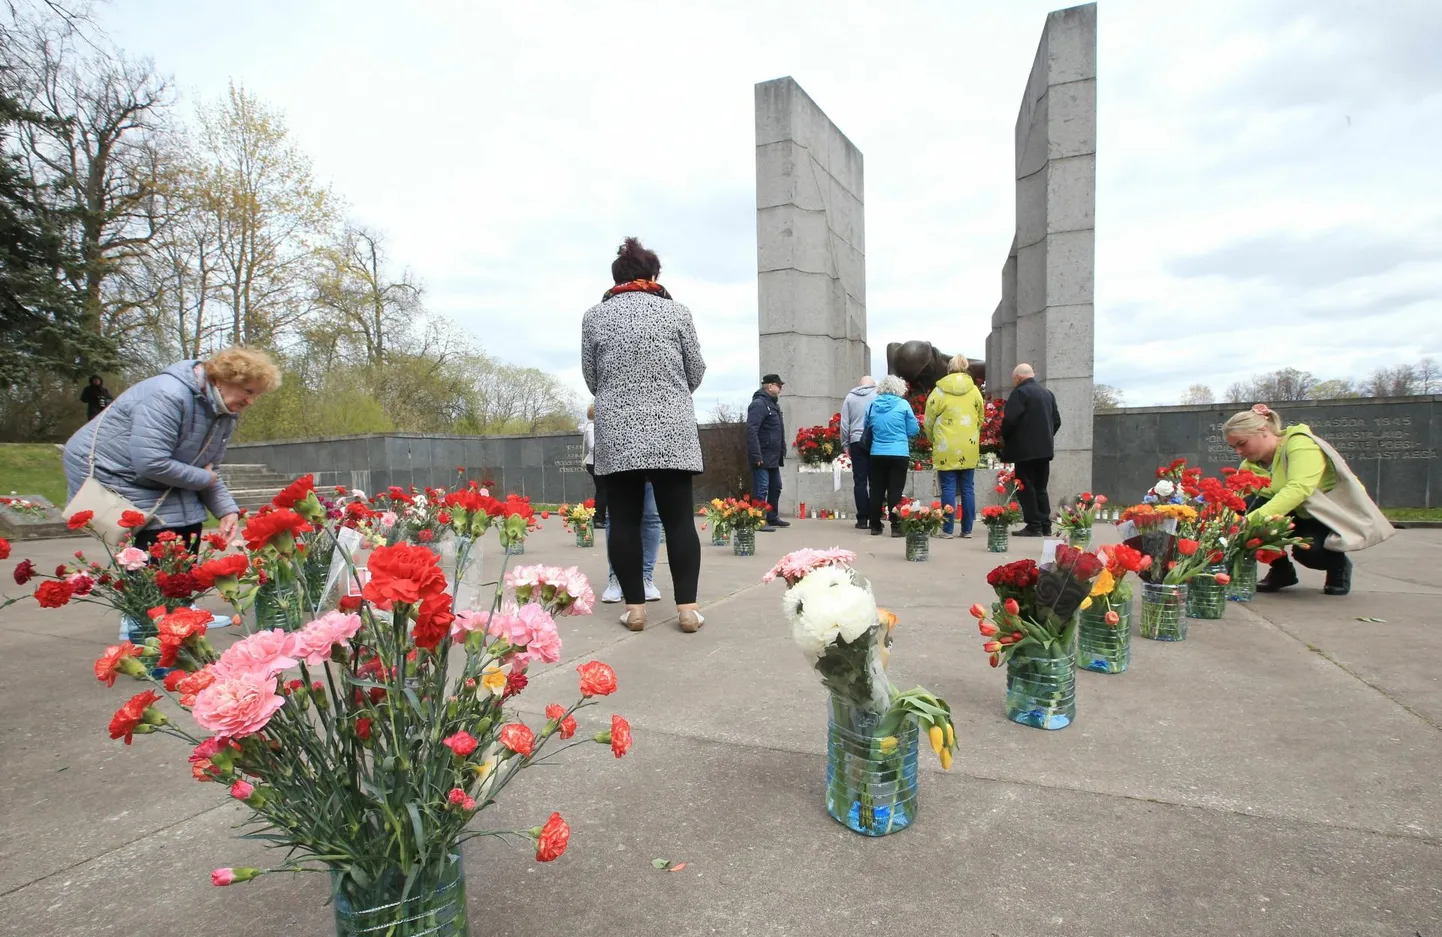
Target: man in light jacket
x: 1027, y: 427
x: 853, y: 424
x: 766, y: 447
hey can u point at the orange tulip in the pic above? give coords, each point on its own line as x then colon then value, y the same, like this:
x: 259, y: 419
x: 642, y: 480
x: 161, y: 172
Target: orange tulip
x: 978, y: 611
x: 992, y: 646
x: 987, y: 628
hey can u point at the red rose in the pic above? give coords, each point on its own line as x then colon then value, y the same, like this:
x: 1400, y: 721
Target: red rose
x: 24, y: 572
x: 4, y: 549
x: 108, y: 667
x: 403, y: 573
x: 131, y: 519
x: 597, y: 679
x: 295, y: 491
x: 232, y: 566
x: 552, y: 839
x: 620, y: 736
x: 281, y: 526
x: 518, y: 737
x: 79, y: 519
x: 123, y: 724
x: 53, y: 593
x: 433, y: 621
x: 565, y: 725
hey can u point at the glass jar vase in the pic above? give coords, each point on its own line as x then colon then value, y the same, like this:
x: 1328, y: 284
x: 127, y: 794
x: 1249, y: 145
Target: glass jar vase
x: 870, y: 772
x: 719, y: 536
x: 516, y: 547
x: 1207, y: 598
x: 280, y: 605
x: 1081, y: 538
x: 1162, y: 606
x: 585, y: 536
x: 998, y: 538
x: 434, y: 907
x: 1104, y: 648
x: 1243, y: 587
x: 1041, y: 685
x: 743, y: 542
x: 918, y: 546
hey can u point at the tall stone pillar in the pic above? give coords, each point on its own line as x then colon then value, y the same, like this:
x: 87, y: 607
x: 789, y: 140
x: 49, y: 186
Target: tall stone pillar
x: 810, y: 259
x: 1049, y: 317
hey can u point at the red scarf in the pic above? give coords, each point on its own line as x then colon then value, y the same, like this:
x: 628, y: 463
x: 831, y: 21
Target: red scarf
x: 637, y: 286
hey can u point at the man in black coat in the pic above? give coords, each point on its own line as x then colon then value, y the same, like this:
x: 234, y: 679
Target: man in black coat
x: 766, y: 447
x: 1027, y: 427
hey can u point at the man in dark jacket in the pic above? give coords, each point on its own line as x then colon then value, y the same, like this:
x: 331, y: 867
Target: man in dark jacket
x: 1027, y: 427
x: 766, y: 447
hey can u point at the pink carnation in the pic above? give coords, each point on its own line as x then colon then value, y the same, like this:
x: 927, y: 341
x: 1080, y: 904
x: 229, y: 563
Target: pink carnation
x: 238, y: 704
x: 794, y: 566
x: 545, y: 642
x: 510, y: 625
x: 466, y: 622
x: 265, y: 652
x: 132, y: 558
x: 578, y: 587
x: 241, y: 789
x: 314, y: 641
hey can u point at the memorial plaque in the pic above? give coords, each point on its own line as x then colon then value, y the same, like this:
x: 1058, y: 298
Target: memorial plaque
x: 31, y: 517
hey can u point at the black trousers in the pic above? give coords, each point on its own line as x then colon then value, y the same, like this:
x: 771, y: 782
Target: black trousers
x: 627, y: 494
x: 888, y: 481
x: 1034, y: 474
x: 1314, y: 554
x: 600, y: 481
x: 190, y: 534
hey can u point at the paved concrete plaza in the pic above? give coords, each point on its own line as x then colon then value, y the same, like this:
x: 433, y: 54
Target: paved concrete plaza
x: 1277, y: 773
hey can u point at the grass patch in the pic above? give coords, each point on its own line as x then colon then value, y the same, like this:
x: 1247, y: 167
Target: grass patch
x: 1413, y: 514
x: 32, y: 469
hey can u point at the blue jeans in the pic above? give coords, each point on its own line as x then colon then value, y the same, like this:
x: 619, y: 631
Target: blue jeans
x: 650, y: 537
x: 967, y: 511
x: 860, y: 477
x: 766, y: 486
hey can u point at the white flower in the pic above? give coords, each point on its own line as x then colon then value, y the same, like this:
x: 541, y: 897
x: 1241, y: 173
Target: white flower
x: 1164, y: 488
x: 826, y: 605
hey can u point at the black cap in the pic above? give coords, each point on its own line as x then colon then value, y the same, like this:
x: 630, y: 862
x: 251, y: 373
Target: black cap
x: 773, y: 379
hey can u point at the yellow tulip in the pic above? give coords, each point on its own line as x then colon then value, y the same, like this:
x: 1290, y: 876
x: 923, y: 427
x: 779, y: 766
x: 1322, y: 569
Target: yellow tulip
x: 1086, y: 603
x: 1105, y: 583
x: 888, y: 745
x: 950, y: 736
x: 937, y: 737
x: 945, y: 760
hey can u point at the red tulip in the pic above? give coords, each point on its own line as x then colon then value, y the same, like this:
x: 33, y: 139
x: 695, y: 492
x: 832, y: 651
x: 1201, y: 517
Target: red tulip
x: 977, y: 611
x: 987, y: 628
x: 1187, y: 547
x: 996, y: 660
x: 1011, y: 606
x: 992, y: 646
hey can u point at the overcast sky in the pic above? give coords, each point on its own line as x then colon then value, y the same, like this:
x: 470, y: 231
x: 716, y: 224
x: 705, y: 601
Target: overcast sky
x: 1267, y: 192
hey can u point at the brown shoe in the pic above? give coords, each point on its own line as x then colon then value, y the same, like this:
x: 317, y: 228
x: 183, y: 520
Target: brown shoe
x: 634, y: 619
x: 690, y: 621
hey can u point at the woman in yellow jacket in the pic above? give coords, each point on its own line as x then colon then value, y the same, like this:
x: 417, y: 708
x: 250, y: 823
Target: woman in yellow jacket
x: 954, y: 414
x: 1297, y: 468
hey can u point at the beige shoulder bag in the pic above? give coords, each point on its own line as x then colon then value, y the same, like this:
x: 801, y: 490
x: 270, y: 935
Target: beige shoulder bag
x: 1356, y: 521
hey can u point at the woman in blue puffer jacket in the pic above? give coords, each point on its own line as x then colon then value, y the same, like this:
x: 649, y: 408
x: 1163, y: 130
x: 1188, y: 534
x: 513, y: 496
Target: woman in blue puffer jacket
x: 892, y: 424
x: 158, y: 444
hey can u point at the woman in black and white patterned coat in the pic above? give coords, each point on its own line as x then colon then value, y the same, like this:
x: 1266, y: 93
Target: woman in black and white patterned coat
x: 641, y: 360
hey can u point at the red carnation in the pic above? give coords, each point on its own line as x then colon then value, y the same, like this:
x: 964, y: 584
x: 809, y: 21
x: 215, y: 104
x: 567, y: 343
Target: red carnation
x: 131, y: 715
x: 597, y: 679
x: 294, y: 492
x: 232, y: 566
x: 177, y: 585
x: 112, y: 663
x: 132, y: 519
x: 433, y: 621
x: 565, y: 725
x: 552, y: 838
x: 403, y: 573
x: 518, y: 737
x: 79, y: 519
x: 620, y: 736
x: 516, y: 681
x: 52, y: 593
x: 279, y: 527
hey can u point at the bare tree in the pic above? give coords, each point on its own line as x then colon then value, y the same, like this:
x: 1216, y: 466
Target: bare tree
x: 1106, y: 397
x: 1400, y: 381
x: 1429, y: 376
x: 94, y: 155
x: 1198, y: 394
x: 724, y: 412
x: 371, y: 313
x: 1280, y: 385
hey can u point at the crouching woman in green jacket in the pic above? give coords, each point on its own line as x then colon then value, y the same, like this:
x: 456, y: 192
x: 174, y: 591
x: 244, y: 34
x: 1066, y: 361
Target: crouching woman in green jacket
x: 1297, y: 468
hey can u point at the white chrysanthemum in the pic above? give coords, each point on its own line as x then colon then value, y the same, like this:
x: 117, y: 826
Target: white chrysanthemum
x: 1164, y: 488
x: 826, y: 605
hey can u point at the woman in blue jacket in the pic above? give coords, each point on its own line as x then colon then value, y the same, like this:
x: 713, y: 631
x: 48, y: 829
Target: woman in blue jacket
x: 892, y: 424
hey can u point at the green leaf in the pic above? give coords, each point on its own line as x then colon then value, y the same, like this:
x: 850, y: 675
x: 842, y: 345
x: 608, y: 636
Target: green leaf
x: 417, y: 828
x: 661, y: 865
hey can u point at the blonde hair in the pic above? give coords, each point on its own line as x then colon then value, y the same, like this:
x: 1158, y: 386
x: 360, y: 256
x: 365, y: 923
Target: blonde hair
x: 957, y: 365
x: 239, y: 365
x: 590, y: 411
x: 1253, y: 422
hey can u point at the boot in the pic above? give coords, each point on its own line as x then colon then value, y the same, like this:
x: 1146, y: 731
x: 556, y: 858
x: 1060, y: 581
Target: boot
x: 1281, y: 575
x: 1339, y: 579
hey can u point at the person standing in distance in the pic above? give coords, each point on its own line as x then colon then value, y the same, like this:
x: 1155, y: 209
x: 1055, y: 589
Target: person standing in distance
x: 853, y: 425
x: 96, y: 396
x: 1028, y: 427
x: 766, y: 448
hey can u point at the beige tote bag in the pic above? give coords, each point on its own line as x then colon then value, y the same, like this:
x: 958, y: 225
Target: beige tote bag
x: 107, y: 505
x: 1356, y: 521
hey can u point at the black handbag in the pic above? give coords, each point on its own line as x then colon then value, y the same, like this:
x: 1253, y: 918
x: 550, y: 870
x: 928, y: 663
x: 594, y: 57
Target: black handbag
x: 865, y: 444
